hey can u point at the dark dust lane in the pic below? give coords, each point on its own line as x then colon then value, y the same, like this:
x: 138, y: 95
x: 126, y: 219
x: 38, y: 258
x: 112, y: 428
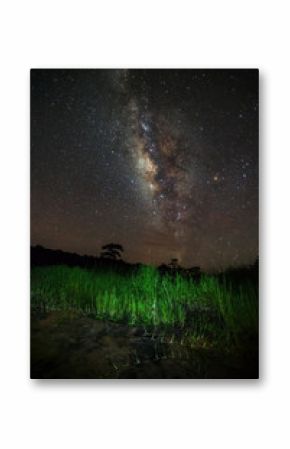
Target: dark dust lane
x: 65, y: 346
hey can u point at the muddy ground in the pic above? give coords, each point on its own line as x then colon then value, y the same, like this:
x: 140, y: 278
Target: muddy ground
x: 71, y: 346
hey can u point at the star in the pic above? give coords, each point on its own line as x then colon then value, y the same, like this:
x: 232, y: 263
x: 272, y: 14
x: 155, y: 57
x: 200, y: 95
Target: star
x: 167, y: 158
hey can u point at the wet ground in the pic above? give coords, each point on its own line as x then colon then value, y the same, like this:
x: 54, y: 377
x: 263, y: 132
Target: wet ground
x: 70, y: 346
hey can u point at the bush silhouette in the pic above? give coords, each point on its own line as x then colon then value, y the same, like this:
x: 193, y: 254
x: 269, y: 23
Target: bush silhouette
x: 112, y: 251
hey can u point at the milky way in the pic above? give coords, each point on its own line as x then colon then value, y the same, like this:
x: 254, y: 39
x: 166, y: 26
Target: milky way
x: 164, y: 162
x: 160, y: 162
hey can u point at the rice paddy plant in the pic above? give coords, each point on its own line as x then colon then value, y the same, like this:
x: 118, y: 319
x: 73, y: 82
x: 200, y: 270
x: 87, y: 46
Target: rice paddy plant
x: 207, y: 309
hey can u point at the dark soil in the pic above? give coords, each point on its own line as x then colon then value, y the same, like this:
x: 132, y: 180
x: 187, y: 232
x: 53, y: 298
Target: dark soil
x: 71, y: 346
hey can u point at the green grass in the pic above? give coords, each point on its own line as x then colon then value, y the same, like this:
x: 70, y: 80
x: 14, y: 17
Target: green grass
x: 210, y: 309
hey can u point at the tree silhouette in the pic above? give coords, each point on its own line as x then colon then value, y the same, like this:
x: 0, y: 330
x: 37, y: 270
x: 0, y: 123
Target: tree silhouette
x: 112, y: 251
x: 173, y: 264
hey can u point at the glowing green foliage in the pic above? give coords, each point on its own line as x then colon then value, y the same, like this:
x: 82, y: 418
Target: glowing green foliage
x: 207, y: 309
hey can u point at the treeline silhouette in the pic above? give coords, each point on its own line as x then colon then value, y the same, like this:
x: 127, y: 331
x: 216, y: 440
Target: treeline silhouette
x: 111, y: 259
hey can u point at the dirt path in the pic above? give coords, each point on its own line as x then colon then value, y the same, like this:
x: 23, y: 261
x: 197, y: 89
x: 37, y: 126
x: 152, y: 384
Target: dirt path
x: 79, y: 347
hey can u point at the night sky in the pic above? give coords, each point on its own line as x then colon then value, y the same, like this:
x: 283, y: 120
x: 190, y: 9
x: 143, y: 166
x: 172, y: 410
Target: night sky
x: 164, y: 162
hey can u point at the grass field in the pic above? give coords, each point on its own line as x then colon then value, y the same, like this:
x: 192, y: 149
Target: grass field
x: 211, y: 310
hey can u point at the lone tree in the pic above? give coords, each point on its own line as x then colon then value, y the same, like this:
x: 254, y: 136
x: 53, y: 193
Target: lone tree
x: 112, y: 251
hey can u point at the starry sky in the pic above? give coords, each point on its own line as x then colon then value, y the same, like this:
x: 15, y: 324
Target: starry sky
x: 164, y: 162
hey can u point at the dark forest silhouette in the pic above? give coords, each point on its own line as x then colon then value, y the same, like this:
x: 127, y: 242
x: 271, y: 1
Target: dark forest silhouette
x: 111, y: 259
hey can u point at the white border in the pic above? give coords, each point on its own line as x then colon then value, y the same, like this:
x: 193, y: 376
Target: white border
x: 221, y: 414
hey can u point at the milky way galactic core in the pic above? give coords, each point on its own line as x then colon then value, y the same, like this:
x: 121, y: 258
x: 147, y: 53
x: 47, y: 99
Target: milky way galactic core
x: 164, y: 162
